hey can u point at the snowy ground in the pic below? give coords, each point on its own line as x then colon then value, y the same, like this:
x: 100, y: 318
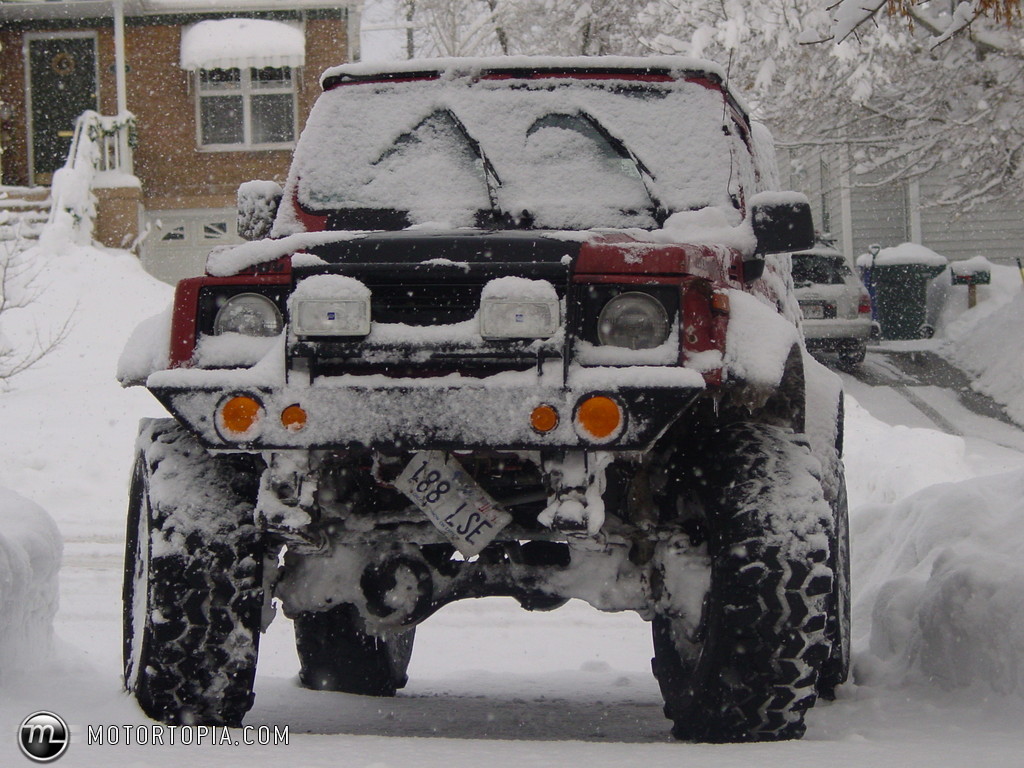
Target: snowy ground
x: 939, y: 595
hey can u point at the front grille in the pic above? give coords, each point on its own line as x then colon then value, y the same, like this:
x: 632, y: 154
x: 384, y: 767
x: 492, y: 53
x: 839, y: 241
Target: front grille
x: 433, y: 280
x: 431, y: 304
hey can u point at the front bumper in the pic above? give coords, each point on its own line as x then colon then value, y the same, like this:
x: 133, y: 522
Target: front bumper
x: 449, y: 412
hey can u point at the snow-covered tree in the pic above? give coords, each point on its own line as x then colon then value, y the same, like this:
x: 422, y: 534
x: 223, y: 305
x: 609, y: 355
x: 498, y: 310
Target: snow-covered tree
x: 904, y: 104
x: 486, y: 27
x: 851, y: 15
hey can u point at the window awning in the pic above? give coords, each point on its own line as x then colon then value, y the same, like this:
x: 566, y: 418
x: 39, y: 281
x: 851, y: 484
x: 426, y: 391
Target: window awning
x: 229, y: 43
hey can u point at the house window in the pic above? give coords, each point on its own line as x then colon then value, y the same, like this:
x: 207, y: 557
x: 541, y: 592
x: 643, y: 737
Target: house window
x: 246, y: 107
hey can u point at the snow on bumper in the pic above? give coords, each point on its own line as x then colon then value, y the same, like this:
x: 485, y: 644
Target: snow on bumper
x: 836, y: 329
x: 448, y: 412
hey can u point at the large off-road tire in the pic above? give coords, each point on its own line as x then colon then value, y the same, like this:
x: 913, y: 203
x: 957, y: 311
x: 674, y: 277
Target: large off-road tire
x: 192, y: 581
x: 749, y: 670
x: 337, y: 654
x: 836, y: 669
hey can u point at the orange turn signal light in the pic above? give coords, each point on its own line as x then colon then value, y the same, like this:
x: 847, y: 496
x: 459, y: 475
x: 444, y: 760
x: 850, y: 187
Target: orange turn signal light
x: 294, y: 417
x: 599, y: 417
x: 240, y: 413
x: 544, y: 418
x: 720, y: 302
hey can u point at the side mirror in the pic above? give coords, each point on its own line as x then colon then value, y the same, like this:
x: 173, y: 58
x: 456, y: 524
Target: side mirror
x: 258, y: 202
x: 782, y: 222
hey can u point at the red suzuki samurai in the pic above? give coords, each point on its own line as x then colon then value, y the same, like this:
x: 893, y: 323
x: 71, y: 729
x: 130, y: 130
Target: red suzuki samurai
x: 514, y: 326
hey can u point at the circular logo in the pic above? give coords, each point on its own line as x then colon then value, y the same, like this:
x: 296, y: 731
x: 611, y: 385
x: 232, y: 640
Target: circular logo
x: 43, y: 736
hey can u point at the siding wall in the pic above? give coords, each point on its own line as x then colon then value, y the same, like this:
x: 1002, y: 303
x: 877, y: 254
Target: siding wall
x: 994, y: 230
x: 879, y: 215
x: 882, y: 214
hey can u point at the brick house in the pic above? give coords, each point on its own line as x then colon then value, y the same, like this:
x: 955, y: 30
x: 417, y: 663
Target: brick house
x: 218, y: 89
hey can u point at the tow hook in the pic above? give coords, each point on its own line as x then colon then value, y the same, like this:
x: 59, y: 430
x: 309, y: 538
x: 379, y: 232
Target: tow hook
x: 576, y: 481
x: 398, y: 590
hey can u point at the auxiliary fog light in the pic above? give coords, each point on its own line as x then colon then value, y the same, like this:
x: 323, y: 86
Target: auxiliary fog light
x: 294, y: 418
x: 331, y: 317
x: 598, y: 417
x: 238, y: 417
x: 544, y: 418
x: 510, y: 319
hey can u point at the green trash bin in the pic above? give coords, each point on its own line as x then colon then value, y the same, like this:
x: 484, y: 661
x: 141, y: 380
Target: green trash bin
x: 900, y: 276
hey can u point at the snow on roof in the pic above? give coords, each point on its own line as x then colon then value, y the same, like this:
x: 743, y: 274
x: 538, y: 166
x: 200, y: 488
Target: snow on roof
x: 229, y: 43
x: 456, y: 67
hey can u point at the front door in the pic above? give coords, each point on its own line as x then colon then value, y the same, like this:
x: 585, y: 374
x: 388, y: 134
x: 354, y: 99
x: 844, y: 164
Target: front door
x: 62, y: 84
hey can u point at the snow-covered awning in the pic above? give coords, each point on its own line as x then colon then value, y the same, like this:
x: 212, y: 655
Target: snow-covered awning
x: 229, y: 43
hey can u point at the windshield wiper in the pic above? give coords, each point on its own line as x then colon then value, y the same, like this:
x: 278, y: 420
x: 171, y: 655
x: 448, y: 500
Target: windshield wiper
x: 490, y: 173
x: 646, y: 176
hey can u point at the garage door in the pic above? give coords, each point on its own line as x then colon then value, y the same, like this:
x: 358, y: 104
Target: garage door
x: 179, y: 241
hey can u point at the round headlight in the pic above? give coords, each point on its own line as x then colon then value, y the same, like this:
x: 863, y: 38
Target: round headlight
x: 250, y: 314
x: 633, y: 320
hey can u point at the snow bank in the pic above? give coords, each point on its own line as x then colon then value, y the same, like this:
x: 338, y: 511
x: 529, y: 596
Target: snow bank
x: 940, y: 587
x: 986, y: 340
x: 30, y: 554
x: 885, y: 464
x: 938, y: 581
x: 66, y: 426
x: 993, y: 349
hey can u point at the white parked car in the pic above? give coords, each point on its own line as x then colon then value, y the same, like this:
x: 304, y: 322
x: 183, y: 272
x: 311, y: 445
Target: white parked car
x: 836, y: 306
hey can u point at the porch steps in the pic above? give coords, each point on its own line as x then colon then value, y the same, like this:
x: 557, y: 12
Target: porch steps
x: 23, y: 212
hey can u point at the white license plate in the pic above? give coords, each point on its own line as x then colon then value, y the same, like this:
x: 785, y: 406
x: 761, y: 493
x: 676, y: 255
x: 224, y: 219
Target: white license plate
x: 461, y: 509
x: 813, y: 311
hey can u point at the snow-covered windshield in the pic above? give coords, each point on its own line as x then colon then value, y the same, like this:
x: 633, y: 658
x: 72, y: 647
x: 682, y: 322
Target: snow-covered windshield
x: 555, y: 153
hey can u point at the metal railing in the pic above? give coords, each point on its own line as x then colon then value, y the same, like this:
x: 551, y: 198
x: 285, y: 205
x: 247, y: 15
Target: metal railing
x: 100, y: 144
x: 103, y: 143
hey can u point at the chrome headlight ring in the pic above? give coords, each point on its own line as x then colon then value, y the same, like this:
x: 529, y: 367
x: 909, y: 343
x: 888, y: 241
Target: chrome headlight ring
x: 633, y: 320
x: 250, y: 314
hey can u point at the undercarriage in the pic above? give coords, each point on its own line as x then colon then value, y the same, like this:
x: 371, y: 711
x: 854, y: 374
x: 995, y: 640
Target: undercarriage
x: 366, y: 546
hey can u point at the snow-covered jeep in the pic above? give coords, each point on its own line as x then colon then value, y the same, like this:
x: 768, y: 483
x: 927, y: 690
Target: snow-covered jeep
x: 512, y: 327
